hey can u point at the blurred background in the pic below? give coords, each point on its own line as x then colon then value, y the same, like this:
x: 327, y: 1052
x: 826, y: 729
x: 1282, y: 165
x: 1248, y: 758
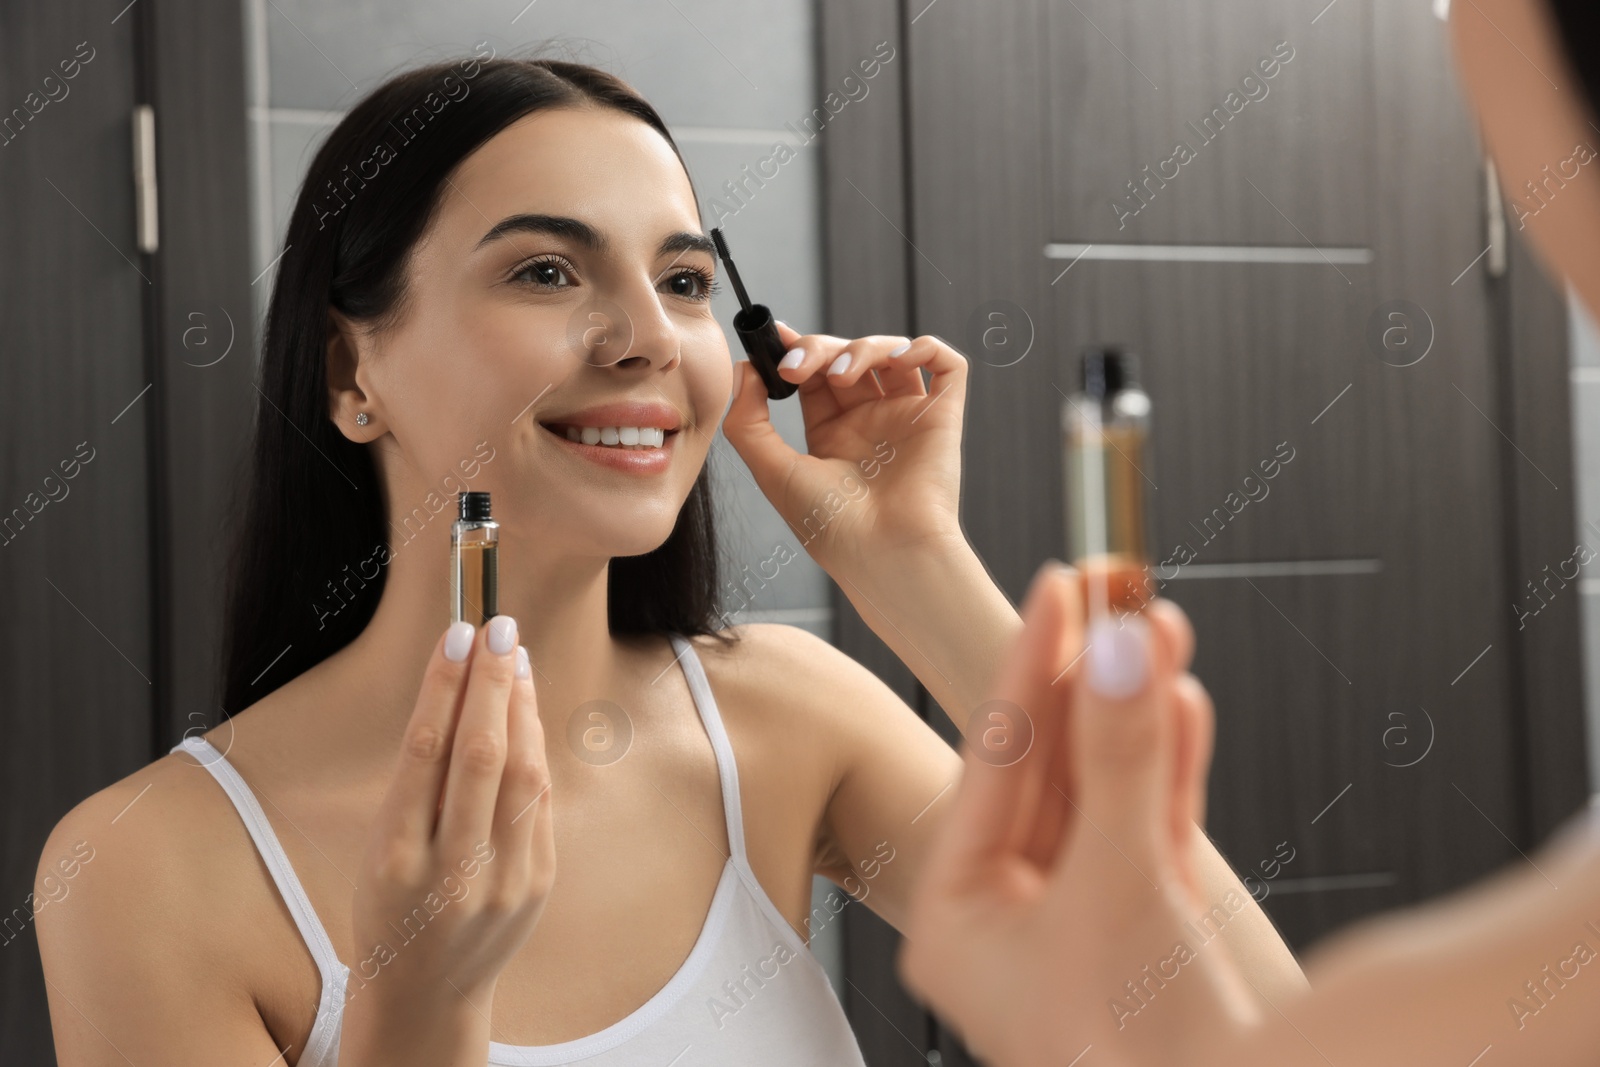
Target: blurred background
x: 1281, y: 206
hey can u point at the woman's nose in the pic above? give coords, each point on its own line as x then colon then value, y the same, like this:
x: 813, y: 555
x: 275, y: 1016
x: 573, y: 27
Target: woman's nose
x: 629, y: 334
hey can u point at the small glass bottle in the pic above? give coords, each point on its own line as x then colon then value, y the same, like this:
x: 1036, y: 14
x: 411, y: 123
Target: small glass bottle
x: 474, y: 561
x: 1105, y: 428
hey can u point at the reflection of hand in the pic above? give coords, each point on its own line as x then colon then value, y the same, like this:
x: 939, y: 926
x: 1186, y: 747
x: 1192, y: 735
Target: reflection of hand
x: 1066, y: 875
x: 882, y: 470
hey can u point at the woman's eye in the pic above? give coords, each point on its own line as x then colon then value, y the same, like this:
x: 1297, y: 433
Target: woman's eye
x: 547, y: 274
x: 692, y: 284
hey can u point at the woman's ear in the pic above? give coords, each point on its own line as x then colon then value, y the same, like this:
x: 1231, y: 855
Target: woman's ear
x: 349, y: 406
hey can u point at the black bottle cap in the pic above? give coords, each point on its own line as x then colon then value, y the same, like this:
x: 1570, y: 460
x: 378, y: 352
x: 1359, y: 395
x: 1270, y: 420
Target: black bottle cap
x: 758, y: 333
x: 474, y: 507
x: 1107, y: 369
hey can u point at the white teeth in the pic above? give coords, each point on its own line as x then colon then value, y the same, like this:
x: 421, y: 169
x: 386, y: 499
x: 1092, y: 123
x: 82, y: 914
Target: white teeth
x: 620, y: 436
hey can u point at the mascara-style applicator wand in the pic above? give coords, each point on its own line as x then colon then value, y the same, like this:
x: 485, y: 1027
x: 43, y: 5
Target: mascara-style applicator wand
x: 758, y: 333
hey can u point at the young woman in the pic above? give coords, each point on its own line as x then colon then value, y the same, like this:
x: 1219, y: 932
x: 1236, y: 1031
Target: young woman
x: 1030, y: 937
x: 437, y: 848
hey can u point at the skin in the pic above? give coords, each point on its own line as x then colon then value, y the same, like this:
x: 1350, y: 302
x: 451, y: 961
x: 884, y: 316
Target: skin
x: 997, y: 912
x: 610, y: 887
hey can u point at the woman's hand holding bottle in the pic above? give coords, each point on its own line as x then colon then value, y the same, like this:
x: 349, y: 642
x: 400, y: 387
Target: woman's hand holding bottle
x: 1055, y: 912
x: 469, y: 806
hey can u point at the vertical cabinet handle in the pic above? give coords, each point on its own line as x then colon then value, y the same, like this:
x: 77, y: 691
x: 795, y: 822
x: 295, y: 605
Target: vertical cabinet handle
x: 144, y: 178
x: 1494, y: 221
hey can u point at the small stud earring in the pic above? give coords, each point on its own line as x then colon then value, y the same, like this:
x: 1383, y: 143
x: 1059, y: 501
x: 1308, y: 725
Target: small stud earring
x: 361, y: 419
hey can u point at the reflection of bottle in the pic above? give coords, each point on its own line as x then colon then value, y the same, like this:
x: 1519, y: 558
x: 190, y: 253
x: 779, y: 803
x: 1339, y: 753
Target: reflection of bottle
x: 1104, y: 432
x: 474, y: 562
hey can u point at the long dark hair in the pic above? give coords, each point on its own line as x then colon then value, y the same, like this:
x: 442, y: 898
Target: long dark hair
x: 1579, y: 23
x: 312, y: 526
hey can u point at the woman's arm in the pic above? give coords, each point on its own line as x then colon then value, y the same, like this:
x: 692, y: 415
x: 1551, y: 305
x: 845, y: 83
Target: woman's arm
x: 1026, y: 927
x: 951, y: 625
x: 939, y: 611
x: 1497, y: 973
x: 135, y: 970
x: 876, y: 498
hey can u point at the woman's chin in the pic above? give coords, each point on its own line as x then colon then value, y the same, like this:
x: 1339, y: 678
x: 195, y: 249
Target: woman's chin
x: 608, y: 536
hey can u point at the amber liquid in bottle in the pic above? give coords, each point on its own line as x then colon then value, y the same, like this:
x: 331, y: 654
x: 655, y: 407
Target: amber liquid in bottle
x: 474, y: 562
x: 1105, y: 428
x: 475, y: 599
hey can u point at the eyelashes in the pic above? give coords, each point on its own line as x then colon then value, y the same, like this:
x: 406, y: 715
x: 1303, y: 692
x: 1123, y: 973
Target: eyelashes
x: 708, y: 284
x: 523, y: 270
x: 525, y: 273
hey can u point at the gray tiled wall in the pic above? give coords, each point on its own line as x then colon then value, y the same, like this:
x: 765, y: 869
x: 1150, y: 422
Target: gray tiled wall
x: 726, y: 76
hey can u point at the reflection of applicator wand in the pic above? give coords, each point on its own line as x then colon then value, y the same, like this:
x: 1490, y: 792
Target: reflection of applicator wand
x: 757, y: 331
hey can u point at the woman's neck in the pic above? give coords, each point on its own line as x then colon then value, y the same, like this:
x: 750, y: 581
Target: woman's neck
x: 559, y: 604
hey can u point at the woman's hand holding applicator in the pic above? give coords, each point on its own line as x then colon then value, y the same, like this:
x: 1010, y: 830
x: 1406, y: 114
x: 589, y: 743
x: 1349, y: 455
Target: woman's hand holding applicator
x: 875, y: 497
x: 881, y: 474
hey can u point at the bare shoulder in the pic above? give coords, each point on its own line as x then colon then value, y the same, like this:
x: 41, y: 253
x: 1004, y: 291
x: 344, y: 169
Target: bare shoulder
x: 133, y: 908
x: 789, y: 671
x: 879, y: 766
x: 797, y: 688
x: 130, y: 855
x: 779, y: 656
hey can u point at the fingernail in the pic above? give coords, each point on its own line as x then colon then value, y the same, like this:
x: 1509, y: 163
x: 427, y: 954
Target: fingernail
x: 841, y: 364
x: 458, y: 641
x: 785, y: 325
x: 792, y: 358
x: 502, y: 634
x: 1119, y: 657
x: 523, y: 669
x: 900, y: 350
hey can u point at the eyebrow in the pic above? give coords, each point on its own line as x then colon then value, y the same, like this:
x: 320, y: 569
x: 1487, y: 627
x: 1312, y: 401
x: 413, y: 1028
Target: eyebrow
x: 582, y: 233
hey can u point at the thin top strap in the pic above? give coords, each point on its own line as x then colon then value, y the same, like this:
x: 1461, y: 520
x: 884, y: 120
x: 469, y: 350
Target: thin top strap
x: 255, y: 821
x: 294, y: 894
x: 711, y: 717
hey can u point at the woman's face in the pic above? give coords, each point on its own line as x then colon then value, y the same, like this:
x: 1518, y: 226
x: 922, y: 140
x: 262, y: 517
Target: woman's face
x: 1536, y: 123
x: 564, y: 270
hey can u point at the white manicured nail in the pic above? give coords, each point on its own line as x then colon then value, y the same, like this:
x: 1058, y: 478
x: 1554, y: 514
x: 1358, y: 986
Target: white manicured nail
x: 458, y: 641
x: 841, y: 364
x: 1119, y: 657
x: 900, y: 350
x: 792, y: 358
x: 502, y: 634
x: 523, y: 668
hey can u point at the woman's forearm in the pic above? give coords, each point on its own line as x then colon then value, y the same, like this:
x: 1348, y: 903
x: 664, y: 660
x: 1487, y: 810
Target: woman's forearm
x: 1236, y: 920
x: 939, y: 611
x: 1503, y: 964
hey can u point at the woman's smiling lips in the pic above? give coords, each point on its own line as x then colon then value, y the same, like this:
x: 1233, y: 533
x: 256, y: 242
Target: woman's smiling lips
x: 635, y: 422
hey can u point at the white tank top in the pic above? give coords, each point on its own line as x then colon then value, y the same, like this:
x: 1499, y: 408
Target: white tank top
x: 750, y: 990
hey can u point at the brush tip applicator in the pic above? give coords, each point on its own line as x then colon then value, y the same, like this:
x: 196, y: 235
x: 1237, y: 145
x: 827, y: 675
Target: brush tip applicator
x: 757, y: 330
